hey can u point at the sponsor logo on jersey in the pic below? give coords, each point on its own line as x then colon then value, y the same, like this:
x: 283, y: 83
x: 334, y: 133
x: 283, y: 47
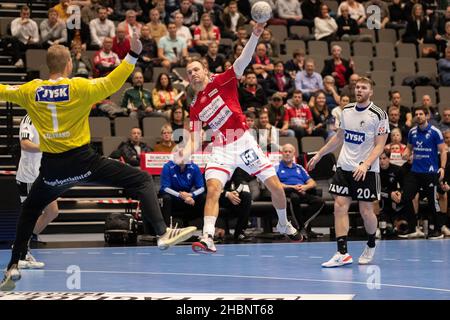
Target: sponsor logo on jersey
x: 354, y: 137
x: 382, y: 130
x: 53, y: 93
x: 211, y: 108
x: 212, y: 93
x: 220, y: 119
x: 338, y: 189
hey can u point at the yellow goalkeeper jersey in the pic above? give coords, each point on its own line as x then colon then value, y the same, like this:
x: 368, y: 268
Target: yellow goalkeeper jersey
x: 60, y: 108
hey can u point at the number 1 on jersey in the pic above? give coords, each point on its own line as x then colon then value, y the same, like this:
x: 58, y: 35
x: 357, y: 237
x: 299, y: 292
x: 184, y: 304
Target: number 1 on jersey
x: 52, y: 108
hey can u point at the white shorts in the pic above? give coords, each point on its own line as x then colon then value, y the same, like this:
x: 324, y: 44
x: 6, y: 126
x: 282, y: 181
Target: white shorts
x: 244, y: 153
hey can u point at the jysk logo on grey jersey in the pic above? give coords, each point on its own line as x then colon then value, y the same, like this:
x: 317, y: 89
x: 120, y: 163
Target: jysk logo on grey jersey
x: 354, y: 137
x: 53, y: 94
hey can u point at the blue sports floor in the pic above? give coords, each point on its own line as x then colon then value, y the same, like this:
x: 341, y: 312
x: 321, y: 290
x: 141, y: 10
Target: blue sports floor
x: 402, y: 269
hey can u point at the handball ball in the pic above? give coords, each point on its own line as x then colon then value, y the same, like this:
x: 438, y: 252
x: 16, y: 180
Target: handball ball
x: 261, y: 11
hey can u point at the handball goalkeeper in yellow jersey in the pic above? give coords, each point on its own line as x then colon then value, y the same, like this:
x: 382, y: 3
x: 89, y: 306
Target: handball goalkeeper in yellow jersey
x: 59, y: 108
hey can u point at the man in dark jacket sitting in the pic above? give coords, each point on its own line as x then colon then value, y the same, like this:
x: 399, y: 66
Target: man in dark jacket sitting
x: 130, y: 151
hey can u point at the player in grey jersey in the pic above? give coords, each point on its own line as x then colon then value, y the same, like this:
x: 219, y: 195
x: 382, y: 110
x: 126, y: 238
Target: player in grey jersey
x: 363, y: 132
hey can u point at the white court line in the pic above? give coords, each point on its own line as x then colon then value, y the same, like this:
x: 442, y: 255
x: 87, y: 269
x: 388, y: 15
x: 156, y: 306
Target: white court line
x: 315, y: 257
x: 94, y: 253
x: 413, y: 260
x: 437, y: 260
x: 69, y: 252
x: 217, y: 255
x: 390, y: 259
x: 250, y: 277
x: 193, y: 254
x: 242, y: 255
x: 121, y: 253
x: 266, y: 256
x: 291, y: 256
x: 143, y: 253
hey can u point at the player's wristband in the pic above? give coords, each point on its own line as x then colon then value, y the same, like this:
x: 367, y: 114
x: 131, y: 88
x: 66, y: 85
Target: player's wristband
x: 133, y: 54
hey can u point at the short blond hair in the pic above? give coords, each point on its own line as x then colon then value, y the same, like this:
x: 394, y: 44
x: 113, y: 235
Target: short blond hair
x: 366, y: 81
x: 57, y: 58
x: 166, y: 127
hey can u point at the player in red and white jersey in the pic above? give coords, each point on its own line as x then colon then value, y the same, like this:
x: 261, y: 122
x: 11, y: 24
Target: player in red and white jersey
x: 217, y: 104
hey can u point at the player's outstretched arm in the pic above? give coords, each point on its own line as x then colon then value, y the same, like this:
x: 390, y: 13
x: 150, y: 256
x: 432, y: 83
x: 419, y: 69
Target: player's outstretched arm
x: 101, y: 88
x: 246, y: 56
x: 334, y: 142
x: 14, y: 94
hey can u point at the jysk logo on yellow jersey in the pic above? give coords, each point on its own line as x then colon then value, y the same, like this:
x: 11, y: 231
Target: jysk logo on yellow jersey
x: 53, y: 94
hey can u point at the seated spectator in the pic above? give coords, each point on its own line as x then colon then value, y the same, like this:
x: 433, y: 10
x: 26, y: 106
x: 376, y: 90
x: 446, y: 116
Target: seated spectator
x: 280, y: 82
x: 300, y: 188
x: 89, y: 12
x: 396, y: 148
x: 214, y: 58
x: 164, y: 95
x: 331, y: 93
x: 25, y: 33
x: 214, y: 10
x: 272, y: 46
x: 237, y: 50
x: 397, y: 16
x: 405, y: 112
x: 166, y: 144
x: 310, y: 10
x: 296, y: 64
x: 130, y: 24
x: 138, y: 100
x: 394, y: 122
x: 172, y: 50
x: 158, y: 30
x: 183, y: 32
x: 53, y: 30
x: 123, y: 8
x: 417, y: 27
x: 105, y: 60
x: 434, y: 116
x: 337, y: 111
x: 242, y: 37
x: 232, y: 20
x: 251, y: 95
x: 261, y: 62
x: 308, y: 81
x: 321, y: 115
x: 164, y: 15
x: 277, y: 114
x: 444, y: 68
x: 178, y: 119
x: 349, y: 89
x: 392, y: 218
x: 266, y: 134
x: 130, y: 151
x: 356, y: 11
x: 182, y: 191
x: 237, y: 200
x: 205, y: 33
x: 325, y: 26
x: 101, y: 27
x: 149, y: 54
x: 190, y: 14
x: 121, y: 43
x: 81, y: 64
x: 339, y: 68
x: 445, y: 123
x: 290, y: 11
x: 298, y: 117
x: 348, y: 29
x: 441, y: 30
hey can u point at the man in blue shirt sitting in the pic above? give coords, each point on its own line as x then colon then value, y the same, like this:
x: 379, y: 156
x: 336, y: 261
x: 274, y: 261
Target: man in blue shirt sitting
x: 299, y: 187
x: 426, y: 142
x: 182, y: 191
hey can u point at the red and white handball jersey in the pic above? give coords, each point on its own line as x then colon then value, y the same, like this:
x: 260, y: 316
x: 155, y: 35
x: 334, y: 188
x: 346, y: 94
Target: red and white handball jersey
x: 218, y: 106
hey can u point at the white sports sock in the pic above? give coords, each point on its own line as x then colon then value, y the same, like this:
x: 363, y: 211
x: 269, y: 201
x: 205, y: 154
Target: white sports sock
x: 209, y: 225
x: 282, y: 216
